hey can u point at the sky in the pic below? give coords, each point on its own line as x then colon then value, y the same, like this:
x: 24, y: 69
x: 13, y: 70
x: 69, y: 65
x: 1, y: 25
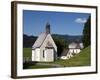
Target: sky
x: 64, y: 23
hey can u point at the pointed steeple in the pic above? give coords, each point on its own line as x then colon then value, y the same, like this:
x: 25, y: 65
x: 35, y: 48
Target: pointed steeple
x: 47, y: 28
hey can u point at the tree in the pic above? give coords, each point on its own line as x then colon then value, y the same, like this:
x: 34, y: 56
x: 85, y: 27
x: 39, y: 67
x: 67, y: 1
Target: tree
x: 87, y: 33
x: 61, y: 45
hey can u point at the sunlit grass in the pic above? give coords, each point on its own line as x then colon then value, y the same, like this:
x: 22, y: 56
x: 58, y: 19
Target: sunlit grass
x: 81, y: 59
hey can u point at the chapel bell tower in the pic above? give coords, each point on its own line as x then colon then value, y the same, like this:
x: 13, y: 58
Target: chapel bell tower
x: 48, y: 28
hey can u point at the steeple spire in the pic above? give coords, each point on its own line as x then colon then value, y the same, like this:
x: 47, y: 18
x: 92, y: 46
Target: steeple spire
x: 48, y: 28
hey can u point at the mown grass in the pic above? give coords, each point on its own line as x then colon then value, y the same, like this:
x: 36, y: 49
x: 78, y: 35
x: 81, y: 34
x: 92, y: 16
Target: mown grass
x: 81, y: 59
x: 27, y: 53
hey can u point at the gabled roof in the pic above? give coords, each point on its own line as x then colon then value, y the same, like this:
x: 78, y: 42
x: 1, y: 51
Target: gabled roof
x: 65, y: 52
x: 39, y: 40
x: 43, y: 37
x: 76, y: 45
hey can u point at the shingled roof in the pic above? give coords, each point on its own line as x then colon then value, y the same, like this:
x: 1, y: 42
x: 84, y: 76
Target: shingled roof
x: 39, y: 40
x: 42, y: 37
x: 76, y: 45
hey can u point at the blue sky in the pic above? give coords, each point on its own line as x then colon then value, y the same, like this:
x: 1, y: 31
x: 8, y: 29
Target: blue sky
x: 34, y: 22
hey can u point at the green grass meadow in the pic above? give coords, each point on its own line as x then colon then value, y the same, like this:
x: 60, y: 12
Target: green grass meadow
x: 81, y: 59
x: 27, y: 52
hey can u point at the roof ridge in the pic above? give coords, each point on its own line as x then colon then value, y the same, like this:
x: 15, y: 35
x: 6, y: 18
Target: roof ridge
x: 44, y: 39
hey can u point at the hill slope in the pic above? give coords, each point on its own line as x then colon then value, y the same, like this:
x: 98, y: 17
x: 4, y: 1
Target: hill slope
x: 81, y: 59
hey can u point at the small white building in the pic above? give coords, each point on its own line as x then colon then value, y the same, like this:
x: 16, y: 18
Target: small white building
x: 44, y: 49
x: 73, y: 48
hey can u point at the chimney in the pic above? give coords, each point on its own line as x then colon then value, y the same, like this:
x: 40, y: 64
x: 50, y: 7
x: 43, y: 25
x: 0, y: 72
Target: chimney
x: 48, y: 28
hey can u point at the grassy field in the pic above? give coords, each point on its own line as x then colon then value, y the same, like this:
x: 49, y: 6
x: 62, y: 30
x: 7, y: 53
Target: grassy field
x: 27, y: 53
x: 81, y: 59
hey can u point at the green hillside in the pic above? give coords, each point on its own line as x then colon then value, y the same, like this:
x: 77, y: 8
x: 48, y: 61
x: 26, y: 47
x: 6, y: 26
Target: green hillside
x: 81, y: 59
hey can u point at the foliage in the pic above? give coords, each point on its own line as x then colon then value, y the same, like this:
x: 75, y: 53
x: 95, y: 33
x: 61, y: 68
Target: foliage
x: 61, y: 45
x: 87, y: 33
x: 28, y: 41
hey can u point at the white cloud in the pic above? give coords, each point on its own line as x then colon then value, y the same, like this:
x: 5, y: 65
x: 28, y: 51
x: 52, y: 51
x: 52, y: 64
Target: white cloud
x: 81, y: 20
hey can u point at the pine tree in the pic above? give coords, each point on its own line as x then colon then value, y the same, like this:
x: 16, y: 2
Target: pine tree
x: 87, y: 33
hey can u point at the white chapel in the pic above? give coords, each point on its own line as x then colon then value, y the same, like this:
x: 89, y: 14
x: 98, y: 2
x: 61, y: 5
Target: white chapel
x: 44, y: 49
